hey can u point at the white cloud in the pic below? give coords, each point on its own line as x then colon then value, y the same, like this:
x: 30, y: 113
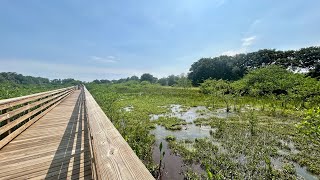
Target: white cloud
x: 248, y: 41
x: 109, y: 59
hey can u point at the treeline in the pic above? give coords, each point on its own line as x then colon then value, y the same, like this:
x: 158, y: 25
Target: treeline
x: 305, y: 61
x: 235, y: 67
x: 12, y: 77
x: 172, y: 80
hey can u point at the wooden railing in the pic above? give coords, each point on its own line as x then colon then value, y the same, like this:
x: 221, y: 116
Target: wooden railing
x: 17, y: 114
x: 113, y: 157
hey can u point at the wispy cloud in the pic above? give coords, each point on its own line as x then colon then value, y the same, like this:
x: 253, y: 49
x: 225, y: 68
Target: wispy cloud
x: 248, y: 41
x: 109, y: 59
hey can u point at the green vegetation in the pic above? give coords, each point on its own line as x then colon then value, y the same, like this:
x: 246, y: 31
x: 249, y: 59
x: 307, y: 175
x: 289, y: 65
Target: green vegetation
x: 235, y: 67
x: 251, y: 116
x: 15, y: 85
x: 171, y: 123
x: 170, y: 138
x: 258, y: 140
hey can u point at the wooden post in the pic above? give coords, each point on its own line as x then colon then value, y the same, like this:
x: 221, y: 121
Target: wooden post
x: 8, y: 120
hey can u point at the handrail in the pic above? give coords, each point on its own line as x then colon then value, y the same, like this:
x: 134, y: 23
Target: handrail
x: 8, y: 103
x: 17, y: 114
x: 113, y: 157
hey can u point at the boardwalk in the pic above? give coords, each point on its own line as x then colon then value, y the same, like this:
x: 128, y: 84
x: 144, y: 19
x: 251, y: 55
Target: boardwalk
x: 55, y: 147
x: 63, y: 134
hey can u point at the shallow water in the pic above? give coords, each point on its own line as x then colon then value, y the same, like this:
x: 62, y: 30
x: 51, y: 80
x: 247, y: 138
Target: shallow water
x: 301, y: 171
x: 128, y: 108
x: 193, y: 113
x: 174, y: 165
x: 291, y: 146
x: 189, y: 131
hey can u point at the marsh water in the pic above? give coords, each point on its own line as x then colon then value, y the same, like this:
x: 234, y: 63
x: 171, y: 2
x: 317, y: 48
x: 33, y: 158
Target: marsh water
x: 173, y: 164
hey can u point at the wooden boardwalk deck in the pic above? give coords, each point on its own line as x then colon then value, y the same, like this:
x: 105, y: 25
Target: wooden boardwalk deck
x: 54, y: 147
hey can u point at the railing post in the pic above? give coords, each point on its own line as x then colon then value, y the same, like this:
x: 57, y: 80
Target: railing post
x: 8, y: 120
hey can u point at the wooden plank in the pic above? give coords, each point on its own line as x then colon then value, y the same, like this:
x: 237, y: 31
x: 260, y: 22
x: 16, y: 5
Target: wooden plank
x: 28, y: 115
x: 114, y: 158
x: 40, y: 168
x: 61, y: 152
x: 12, y: 124
x: 14, y: 134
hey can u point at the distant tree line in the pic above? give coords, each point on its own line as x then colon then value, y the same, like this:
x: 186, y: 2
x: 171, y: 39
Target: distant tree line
x: 172, y: 80
x: 235, y: 67
x: 12, y: 77
x: 232, y: 68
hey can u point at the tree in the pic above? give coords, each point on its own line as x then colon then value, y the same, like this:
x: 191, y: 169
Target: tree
x: 105, y: 81
x: 148, y: 77
x: 172, y: 80
x: 163, y: 81
x: 235, y: 67
x: 56, y: 81
x: 217, y: 89
x: 96, y: 81
x: 184, y: 82
x: 268, y: 80
x: 134, y: 78
x: 216, y: 68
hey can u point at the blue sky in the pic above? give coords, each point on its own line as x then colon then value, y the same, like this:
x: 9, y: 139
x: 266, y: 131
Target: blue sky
x: 104, y: 39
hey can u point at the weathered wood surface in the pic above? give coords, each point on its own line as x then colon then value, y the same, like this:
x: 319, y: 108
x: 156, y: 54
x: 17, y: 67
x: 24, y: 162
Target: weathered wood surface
x: 114, y: 159
x: 54, y: 147
x: 73, y: 140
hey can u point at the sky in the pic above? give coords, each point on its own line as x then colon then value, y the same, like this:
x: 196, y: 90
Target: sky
x: 112, y: 39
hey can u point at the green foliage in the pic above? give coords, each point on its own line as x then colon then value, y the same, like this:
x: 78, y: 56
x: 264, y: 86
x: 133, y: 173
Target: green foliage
x: 253, y: 122
x: 268, y: 80
x: 231, y: 152
x: 285, y: 85
x: 15, y: 85
x: 311, y: 124
x: 217, y: 89
x: 217, y: 68
x: 269, y: 169
x: 162, y: 153
x: 234, y: 67
x: 212, y: 86
x: 14, y: 78
x: 170, y: 138
x: 184, y: 82
x: 11, y: 90
x: 171, y: 123
x: 148, y: 77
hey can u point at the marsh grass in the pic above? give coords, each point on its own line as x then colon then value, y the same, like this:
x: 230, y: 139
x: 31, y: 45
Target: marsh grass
x: 247, y: 138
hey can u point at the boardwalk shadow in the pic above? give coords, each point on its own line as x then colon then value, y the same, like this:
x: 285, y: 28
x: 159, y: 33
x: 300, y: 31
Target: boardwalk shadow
x: 72, y: 159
